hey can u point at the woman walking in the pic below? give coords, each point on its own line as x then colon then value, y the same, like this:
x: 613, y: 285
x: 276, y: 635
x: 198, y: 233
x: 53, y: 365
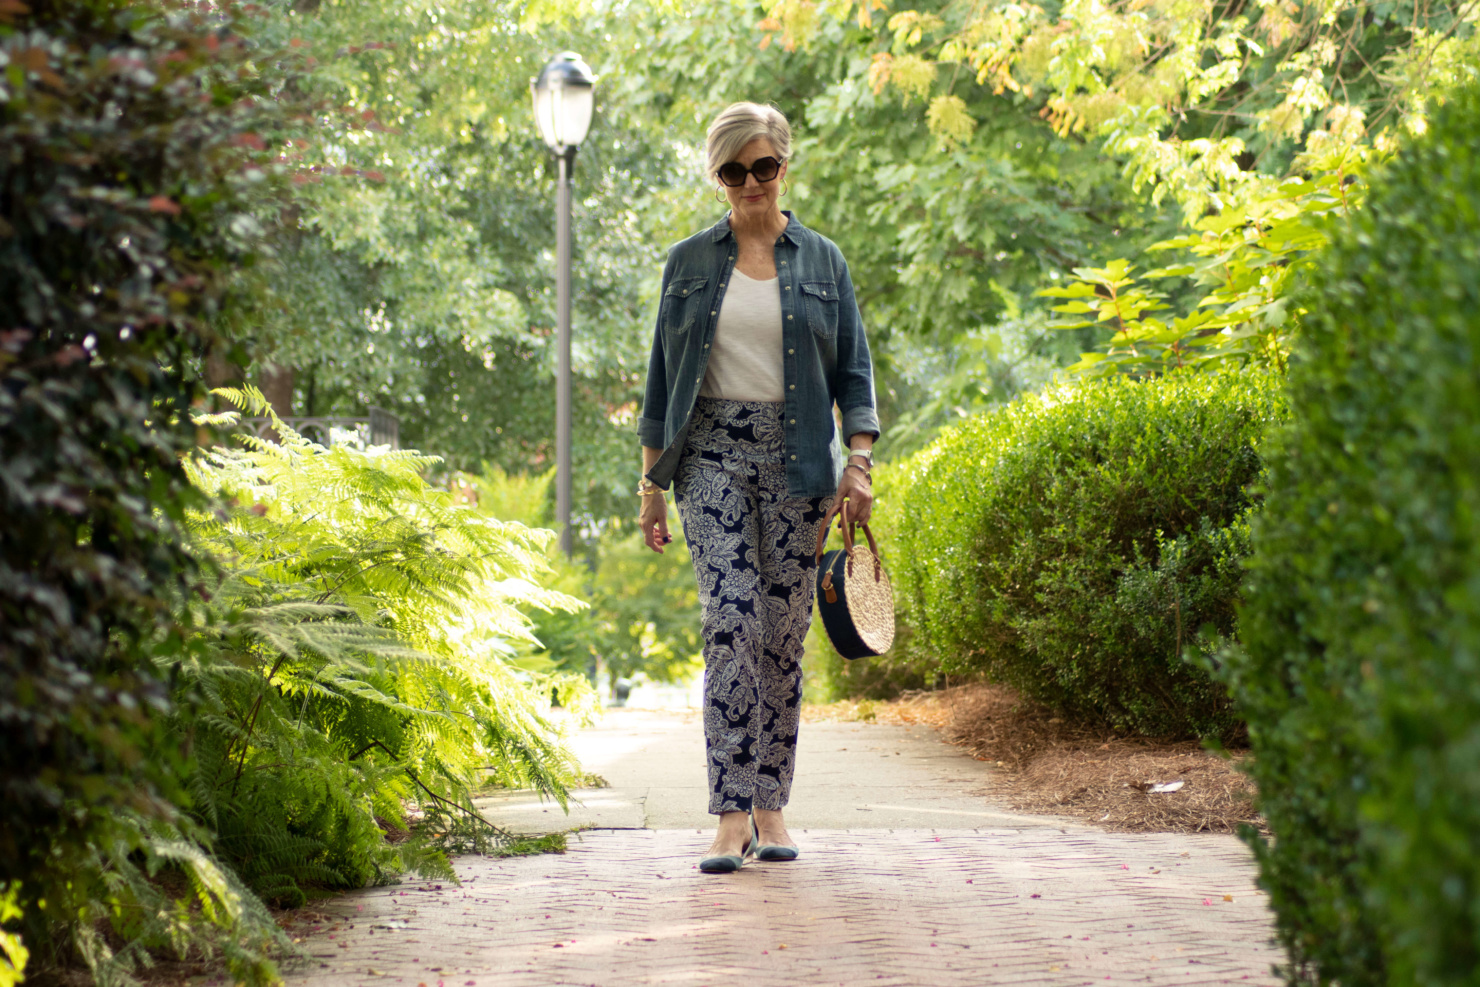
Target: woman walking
x: 758, y: 338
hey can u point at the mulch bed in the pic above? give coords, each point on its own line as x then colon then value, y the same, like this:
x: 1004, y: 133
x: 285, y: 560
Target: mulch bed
x: 1050, y: 766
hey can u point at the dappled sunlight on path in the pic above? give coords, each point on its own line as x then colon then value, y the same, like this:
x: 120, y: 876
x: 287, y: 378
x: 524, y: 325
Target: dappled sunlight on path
x: 905, y: 907
x: 988, y: 897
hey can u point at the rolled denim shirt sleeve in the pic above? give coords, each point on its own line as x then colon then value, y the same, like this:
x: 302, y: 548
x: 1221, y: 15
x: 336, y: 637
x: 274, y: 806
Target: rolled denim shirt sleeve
x: 853, y: 383
x: 650, y: 425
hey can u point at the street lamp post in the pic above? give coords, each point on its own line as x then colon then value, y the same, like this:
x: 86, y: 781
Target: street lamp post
x: 563, y: 101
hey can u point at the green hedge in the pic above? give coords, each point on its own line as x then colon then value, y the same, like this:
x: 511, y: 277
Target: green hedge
x: 139, y: 141
x: 1361, y: 680
x: 1077, y: 543
x: 831, y: 677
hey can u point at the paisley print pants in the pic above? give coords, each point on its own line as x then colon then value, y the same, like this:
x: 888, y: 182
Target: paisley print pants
x: 752, y: 546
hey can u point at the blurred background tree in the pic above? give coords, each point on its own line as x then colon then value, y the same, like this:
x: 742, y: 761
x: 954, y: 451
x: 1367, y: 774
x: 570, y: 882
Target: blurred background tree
x: 966, y: 160
x: 1250, y: 118
x: 428, y: 288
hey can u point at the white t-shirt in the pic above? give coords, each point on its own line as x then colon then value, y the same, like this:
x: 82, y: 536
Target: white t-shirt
x: 745, y: 355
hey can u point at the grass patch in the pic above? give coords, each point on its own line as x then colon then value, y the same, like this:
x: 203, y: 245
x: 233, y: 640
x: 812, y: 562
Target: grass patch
x: 529, y: 846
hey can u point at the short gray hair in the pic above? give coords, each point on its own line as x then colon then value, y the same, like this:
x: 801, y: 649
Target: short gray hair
x: 738, y: 125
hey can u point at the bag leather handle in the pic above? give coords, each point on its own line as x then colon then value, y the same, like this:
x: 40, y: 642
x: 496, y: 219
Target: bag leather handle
x: 846, y: 527
x: 826, y: 521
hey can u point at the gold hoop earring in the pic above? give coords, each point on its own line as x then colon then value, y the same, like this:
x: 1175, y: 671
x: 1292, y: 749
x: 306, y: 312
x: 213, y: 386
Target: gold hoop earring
x: 719, y: 194
x: 785, y: 187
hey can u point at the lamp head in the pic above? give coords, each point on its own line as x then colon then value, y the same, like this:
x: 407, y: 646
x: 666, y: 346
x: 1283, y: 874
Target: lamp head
x: 563, y: 101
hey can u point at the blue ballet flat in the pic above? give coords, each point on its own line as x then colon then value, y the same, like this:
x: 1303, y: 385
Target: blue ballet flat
x: 770, y: 851
x: 729, y: 863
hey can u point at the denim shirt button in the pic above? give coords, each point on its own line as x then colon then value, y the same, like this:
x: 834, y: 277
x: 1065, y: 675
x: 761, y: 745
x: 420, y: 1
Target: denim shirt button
x: 790, y: 352
x: 792, y: 386
x: 793, y: 459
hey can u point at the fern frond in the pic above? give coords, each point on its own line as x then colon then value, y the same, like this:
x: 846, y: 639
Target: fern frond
x: 362, y: 652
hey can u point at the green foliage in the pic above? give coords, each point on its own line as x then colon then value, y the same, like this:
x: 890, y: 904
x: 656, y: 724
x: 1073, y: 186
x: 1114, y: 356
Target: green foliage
x: 983, y: 368
x: 1361, y: 633
x: 346, y: 675
x: 448, y: 186
x: 1246, y: 263
x: 423, y: 281
x: 138, y: 167
x: 1079, y: 544
x: 1252, y: 121
x: 642, y: 617
x: 531, y: 845
x: 945, y: 244
x: 1203, y: 101
x: 644, y: 608
x: 830, y: 677
x: 152, y: 887
x: 13, y: 952
x: 356, y: 658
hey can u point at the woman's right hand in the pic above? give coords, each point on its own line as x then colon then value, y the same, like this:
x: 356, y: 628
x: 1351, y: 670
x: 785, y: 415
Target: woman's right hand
x: 654, y: 521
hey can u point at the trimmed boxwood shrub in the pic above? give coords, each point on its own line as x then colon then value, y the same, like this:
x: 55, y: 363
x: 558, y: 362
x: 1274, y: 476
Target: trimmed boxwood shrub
x: 831, y: 677
x: 1077, y: 543
x: 1361, y: 678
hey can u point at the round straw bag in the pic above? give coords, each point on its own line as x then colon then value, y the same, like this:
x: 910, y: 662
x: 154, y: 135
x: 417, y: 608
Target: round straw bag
x: 853, y: 592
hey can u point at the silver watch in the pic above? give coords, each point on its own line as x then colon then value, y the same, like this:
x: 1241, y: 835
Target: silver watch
x: 865, y: 453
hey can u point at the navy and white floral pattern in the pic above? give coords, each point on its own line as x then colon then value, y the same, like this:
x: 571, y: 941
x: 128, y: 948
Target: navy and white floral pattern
x: 752, y: 547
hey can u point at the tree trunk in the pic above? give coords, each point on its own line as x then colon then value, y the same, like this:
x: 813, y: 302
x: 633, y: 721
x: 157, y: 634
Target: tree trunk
x: 277, y: 386
x: 219, y: 372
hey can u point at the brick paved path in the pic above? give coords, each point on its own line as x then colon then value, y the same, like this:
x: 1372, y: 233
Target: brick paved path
x: 903, y: 906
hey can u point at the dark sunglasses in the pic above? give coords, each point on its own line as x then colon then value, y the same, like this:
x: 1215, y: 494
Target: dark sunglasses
x: 733, y: 173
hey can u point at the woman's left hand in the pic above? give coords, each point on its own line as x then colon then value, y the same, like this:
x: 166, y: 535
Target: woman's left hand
x: 855, y: 486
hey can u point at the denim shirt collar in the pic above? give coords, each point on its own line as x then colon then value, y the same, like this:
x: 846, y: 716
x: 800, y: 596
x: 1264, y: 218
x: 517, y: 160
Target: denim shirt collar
x: 793, y: 231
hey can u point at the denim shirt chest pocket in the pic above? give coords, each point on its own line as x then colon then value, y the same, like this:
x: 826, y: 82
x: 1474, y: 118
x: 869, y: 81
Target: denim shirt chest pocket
x: 821, y: 301
x: 683, y: 303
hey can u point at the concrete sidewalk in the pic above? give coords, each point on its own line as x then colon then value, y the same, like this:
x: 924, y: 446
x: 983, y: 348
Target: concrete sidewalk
x: 849, y: 776
x: 910, y: 875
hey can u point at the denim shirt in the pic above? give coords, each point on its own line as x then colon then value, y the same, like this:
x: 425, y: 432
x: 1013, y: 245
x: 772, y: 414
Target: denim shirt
x: 825, y: 356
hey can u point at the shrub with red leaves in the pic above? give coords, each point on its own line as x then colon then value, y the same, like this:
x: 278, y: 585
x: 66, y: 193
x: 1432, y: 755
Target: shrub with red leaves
x: 140, y: 165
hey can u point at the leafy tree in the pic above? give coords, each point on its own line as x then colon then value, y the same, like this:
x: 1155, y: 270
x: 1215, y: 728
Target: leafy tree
x: 1252, y: 119
x: 946, y: 239
x: 1205, y: 101
x: 427, y: 289
x: 423, y: 283
x: 1249, y: 261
